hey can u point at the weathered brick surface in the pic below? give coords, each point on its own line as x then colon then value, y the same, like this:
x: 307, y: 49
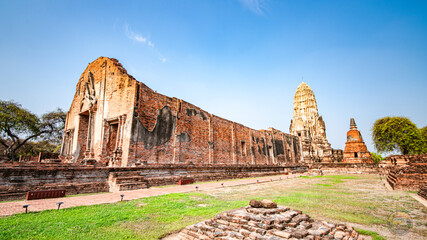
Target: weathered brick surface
x: 410, y: 175
x: 266, y: 223
x: 345, y: 168
x: 423, y: 191
x: 126, y: 123
x: 18, y: 178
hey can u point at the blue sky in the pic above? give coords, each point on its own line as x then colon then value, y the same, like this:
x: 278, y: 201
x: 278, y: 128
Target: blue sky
x: 241, y: 60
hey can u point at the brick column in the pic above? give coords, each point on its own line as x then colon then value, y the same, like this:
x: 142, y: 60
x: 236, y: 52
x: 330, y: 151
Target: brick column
x: 267, y: 160
x: 285, y: 152
x: 211, y: 144
x: 251, y: 136
x: 89, y: 152
x: 292, y: 150
x: 233, y: 143
x: 274, y: 147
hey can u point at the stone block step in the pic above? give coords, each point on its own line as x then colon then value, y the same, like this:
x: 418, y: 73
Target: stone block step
x: 130, y: 186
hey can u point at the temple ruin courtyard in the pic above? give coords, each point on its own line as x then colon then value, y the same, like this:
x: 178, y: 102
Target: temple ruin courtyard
x: 359, y: 200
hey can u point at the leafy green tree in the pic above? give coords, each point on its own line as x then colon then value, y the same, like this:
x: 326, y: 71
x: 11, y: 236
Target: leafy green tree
x: 398, y: 134
x: 33, y: 148
x: 18, y: 126
x: 376, y: 157
x: 54, y: 122
x: 424, y: 133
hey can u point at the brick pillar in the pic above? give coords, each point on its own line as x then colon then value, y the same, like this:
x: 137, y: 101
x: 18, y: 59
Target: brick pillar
x: 89, y: 152
x: 266, y: 149
x: 233, y: 143
x: 274, y: 148
x: 211, y: 144
x: 285, y: 150
x: 251, y: 136
x: 292, y: 150
x: 176, y: 158
x: 300, y: 147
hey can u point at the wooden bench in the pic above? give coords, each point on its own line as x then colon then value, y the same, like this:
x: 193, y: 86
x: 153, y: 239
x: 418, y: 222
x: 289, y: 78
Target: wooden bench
x: 186, y: 181
x: 45, y: 194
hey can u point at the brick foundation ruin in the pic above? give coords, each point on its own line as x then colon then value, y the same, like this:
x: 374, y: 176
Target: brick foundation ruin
x: 18, y: 178
x: 345, y: 168
x: 265, y: 220
x: 410, y: 174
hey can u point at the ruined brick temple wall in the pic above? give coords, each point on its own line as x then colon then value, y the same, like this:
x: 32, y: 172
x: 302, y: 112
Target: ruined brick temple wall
x: 101, y: 97
x: 118, y: 121
x: 18, y: 178
x: 168, y: 130
x: 410, y: 176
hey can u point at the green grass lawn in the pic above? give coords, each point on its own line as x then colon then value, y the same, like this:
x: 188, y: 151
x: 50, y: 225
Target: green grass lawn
x: 333, y: 198
x: 147, y: 218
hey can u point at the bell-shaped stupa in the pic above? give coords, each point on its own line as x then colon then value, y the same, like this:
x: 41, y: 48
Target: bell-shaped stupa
x: 355, y: 149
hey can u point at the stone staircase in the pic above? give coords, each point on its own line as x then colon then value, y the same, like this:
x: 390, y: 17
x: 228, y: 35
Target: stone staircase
x: 126, y: 180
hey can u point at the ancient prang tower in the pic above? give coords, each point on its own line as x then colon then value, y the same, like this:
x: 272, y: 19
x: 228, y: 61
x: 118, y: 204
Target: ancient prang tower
x: 307, y: 124
x: 355, y: 149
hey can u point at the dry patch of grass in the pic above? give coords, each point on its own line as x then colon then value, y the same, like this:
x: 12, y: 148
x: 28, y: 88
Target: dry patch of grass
x: 356, y: 199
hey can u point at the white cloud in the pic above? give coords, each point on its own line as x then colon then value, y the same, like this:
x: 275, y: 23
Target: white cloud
x: 256, y: 6
x: 141, y: 39
x: 134, y: 36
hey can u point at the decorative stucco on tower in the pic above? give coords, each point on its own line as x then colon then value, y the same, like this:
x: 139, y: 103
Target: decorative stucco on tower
x: 307, y: 124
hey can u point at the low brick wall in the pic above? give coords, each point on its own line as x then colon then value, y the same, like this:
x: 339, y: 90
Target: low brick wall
x: 346, y: 168
x: 18, y: 178
x: 171, y: 174
x: 410, y: 176
x: 400, y: 160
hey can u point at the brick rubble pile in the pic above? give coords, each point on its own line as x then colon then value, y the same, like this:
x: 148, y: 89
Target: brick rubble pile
x: 265, y: 220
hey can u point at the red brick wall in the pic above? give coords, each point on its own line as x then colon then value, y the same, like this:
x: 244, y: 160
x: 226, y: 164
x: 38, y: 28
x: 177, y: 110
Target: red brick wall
x: 410, y: 176
x: 18, y: 178
x: 204, y: 132
x: 346, y: 168
x: 163, y: 130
